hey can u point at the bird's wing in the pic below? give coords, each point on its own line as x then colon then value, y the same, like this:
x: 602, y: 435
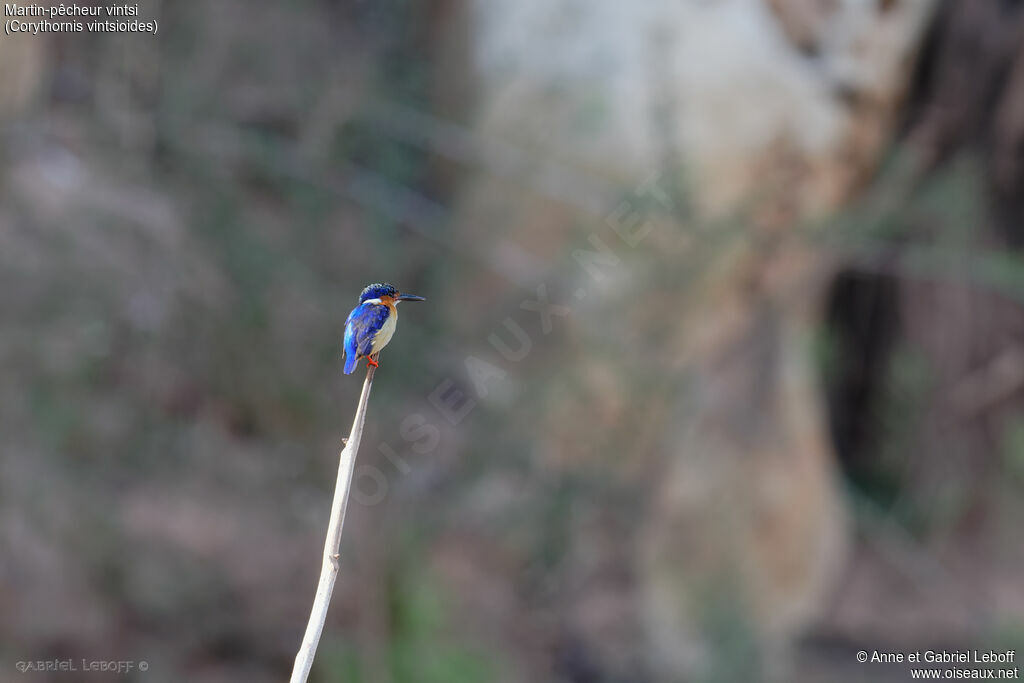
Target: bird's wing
x: 362, y: 325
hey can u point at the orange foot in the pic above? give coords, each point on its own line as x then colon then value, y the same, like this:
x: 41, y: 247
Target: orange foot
x: 370, y: 361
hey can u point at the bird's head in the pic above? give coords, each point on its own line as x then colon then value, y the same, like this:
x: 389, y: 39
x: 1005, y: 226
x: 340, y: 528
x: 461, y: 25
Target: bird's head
x: 385, y: 293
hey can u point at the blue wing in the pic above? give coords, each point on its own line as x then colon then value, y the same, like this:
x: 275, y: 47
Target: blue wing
x: 361, y: 327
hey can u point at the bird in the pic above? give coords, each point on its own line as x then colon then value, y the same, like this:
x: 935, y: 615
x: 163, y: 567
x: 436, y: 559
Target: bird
x: 371, y: 323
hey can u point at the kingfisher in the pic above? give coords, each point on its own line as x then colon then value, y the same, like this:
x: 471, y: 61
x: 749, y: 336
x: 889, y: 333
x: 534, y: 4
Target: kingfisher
x: 371, y: 324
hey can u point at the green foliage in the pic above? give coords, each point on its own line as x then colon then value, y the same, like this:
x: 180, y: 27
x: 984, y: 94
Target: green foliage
x: 420, y: 647
x: 906, y: 384
x: 1012, y: 450
x: 734, y: 652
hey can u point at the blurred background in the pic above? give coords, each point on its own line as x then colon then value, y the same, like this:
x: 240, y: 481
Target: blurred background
x: 720, y: 375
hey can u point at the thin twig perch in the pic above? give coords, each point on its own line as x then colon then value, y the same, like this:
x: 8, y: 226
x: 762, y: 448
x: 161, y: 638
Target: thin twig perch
x: 329, y: 571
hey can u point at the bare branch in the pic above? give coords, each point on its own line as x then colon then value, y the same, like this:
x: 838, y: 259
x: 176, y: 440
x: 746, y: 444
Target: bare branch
x: 329, y: 570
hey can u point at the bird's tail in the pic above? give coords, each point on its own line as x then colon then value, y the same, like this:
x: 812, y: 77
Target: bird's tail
x: 350, y: 363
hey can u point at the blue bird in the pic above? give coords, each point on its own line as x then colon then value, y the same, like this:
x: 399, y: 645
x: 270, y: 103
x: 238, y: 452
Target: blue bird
x: 371, y: 324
